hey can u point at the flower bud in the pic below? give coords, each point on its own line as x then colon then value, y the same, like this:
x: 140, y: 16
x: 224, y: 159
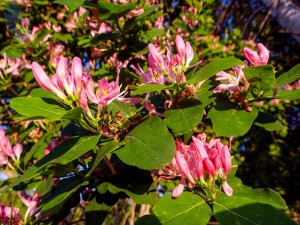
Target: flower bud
x: 209, y: 166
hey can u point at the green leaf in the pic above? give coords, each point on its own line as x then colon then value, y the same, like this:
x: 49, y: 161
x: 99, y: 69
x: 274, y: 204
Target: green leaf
x: 69, y: 150
x: 40, y: 2
x: 261, y: 78
x: 66, y: 152
x: 55, y: 199
x: 212, y: 69
x: 14, y: 52
x: 98, y: 209
x: 188, y: 209
x: 112, y: 11
x: 71, y: 4
x: 147, y: 11
x: 45, y: 185
x: 185, y: 116
x: 147, y: 220
x: 154, y: 32
x: 288, y: 77
x: 284, y: 94
x: 145, y: 149
x: 136, y: 183
x: 126, y: 110
x: 72, y: 114
x: 148, y: 88
x: 230, y: 120
x: 245, y: 211
x: 44, y: 108
x: 268, y: 122
x: 42, y: 93
x: 261, y: 195
x: 103, y: 37
x: 105, y: 149
x: 43, y: 143
x: 205, y: 92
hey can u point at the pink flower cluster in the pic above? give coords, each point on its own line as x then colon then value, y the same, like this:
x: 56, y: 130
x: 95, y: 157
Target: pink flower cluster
x: 200, y: 163
x: 7, y: 151
x: 167, y: 68
x: 31, y: 203
x: 13, y: 66
x: 235, y: 80
x: 75, y: 85
x: 8, y: 214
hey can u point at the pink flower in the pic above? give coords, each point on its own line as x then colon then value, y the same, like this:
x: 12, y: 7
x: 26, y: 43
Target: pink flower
x: 17, y: 151
x: 259, y: 58
x: 227, y: 189
x: 64, y: 79
x: 197, y: 162
x: 8, y: 214
x: 108, y: 91
x: 44, y: 81
x: 149, y: 77
x: 134, y: 13
x: 25, y: 22
x: 84, y: 104
x: 156, y: 60
x: 225, y: 160
x: 31, y: 204
x: 3, y: 62
x: 184, y: 50
x: 105, y: 93
x: 179, y: 188
x: 167, y: 68
x: 231, y: 81
x: 183, y: 166
x: 151, y: 109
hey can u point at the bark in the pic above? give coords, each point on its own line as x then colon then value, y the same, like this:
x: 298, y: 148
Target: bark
x: 287, y: 13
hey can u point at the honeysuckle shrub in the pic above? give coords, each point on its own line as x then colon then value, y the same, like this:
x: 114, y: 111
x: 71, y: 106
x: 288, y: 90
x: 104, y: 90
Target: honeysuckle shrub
x: 106, y: 103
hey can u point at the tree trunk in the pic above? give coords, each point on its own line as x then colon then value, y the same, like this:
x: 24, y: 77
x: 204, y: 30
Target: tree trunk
x: 287, y: 13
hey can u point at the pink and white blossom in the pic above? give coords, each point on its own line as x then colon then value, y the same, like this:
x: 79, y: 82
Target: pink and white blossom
x: 9, y: 215
x: 168, y: 67
x: 232, y: 81
x: 197, y: 162
x: 259, y: 58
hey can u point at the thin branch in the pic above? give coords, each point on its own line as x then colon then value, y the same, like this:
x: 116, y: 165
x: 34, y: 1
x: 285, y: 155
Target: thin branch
x: 249, y: 20
x: 262, y: 24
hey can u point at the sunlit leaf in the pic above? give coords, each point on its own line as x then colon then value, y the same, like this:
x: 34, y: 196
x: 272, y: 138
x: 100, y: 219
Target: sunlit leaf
x: 288, y: 77
x: 185, y: 116
x: 144, y: 148
x: 71, y: 4
x: 187, y: 209
x: 212, y: 69
x: 246, y: 211
x: 268, y: 122
x: 230, y: 120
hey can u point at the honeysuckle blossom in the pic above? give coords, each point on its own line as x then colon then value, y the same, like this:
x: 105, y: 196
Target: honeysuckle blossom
x: 13, y: 66
x: 7, y: 151
x: 134, y: 13
x: 65, y: 81
x: 105, y: 92
x: 31, y: 204
x: 9, y: 215
x: 259, y: 58
x: 198, y: 164
x: 167, y: 68
x: 72, y: 83
x: 232, y: 81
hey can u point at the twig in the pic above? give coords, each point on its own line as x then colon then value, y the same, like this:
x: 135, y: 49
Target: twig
x: 250, y: 20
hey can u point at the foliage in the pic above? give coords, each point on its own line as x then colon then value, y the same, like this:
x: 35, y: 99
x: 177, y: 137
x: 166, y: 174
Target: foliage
x: 79, y: 139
